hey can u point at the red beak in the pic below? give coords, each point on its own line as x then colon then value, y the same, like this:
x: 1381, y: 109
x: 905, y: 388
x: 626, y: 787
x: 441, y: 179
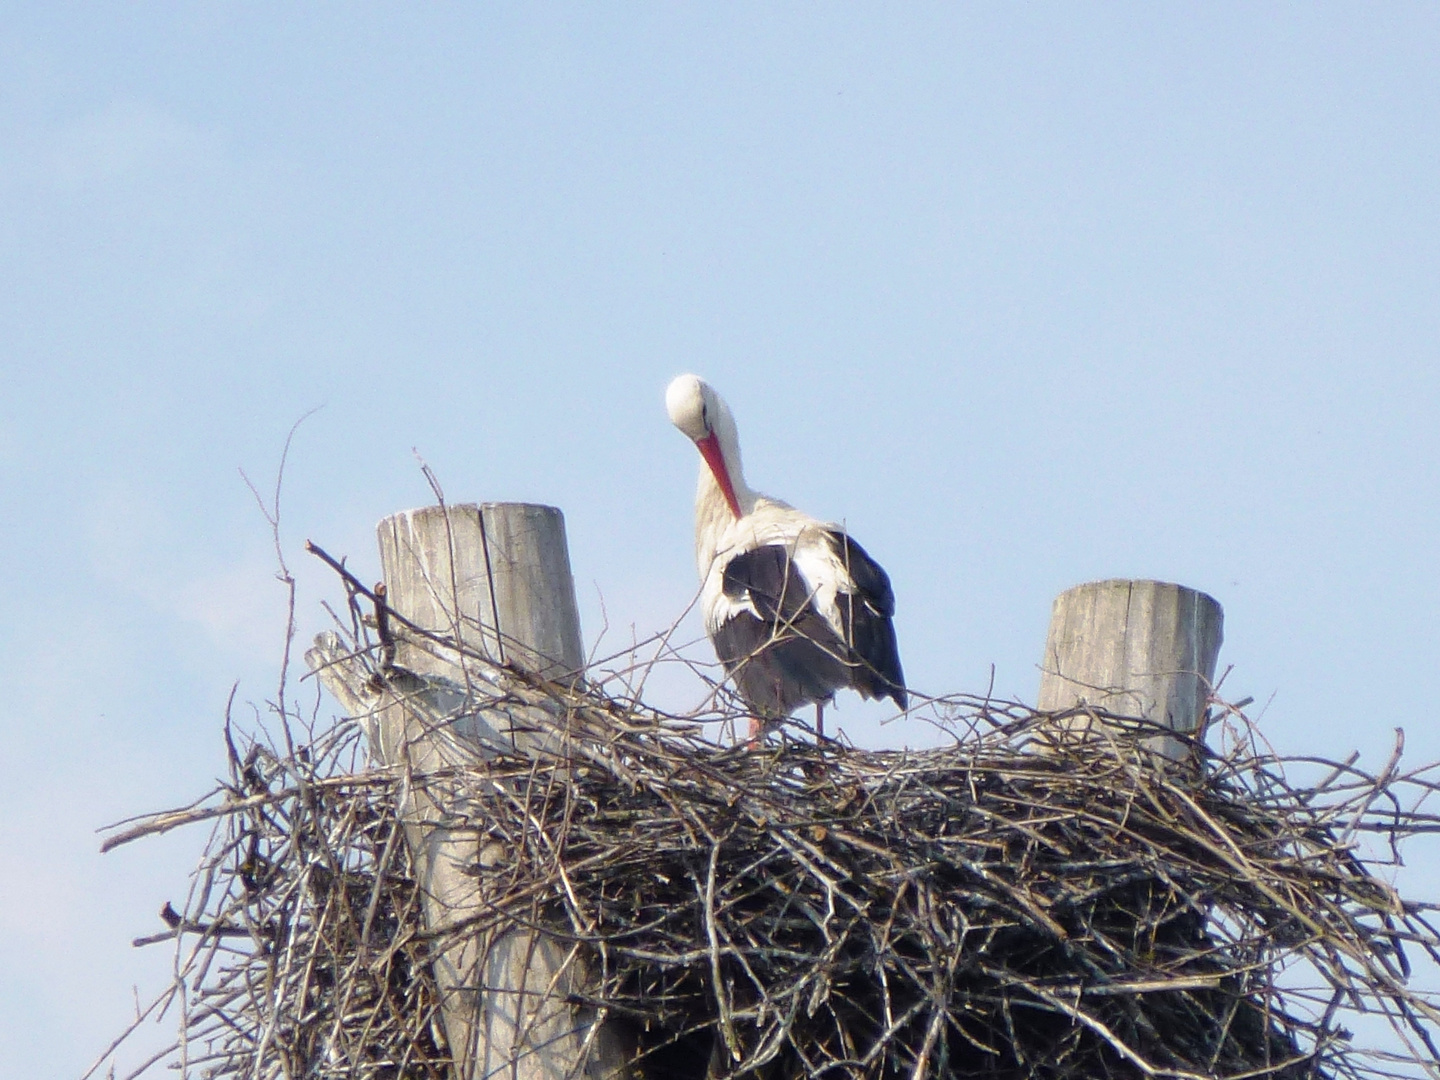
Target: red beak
x: 710, y: 451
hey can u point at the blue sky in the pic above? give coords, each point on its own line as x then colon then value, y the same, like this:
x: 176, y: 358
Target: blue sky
x: 1026, y: 295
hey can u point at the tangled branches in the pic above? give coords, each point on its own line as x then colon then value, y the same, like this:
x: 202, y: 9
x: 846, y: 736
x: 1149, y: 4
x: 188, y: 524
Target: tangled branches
x: 985, y: 910
x: 1023, y: 903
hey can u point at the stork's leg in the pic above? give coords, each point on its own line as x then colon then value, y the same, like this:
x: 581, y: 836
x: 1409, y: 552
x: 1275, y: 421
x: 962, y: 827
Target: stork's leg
x: 819, y: 720
x: 757, y: 732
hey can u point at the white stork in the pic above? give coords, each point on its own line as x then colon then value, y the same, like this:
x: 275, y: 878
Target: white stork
x: 794, y: 607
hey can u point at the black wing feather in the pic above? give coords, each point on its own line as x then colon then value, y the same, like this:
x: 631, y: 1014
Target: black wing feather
x: 869, y: 631
x: 785, y: 655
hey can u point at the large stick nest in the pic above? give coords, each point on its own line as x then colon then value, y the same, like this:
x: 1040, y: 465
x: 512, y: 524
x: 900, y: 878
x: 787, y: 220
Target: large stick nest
x: 1025, y: 902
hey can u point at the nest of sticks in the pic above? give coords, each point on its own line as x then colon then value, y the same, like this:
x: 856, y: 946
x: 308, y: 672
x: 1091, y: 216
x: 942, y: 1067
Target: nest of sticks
x: 1027, y: 901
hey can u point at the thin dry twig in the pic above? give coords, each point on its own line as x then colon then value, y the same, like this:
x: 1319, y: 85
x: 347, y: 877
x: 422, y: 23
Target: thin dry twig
x: 1026, y: 902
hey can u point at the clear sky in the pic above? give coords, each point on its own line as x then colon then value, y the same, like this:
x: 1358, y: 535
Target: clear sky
x: 1027, y: 295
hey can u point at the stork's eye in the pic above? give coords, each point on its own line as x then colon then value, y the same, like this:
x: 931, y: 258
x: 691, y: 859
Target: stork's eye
x: 705, y: 415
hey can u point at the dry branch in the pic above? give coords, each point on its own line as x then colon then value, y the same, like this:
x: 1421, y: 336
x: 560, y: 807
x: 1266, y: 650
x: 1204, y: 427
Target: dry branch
x: 977, y: 910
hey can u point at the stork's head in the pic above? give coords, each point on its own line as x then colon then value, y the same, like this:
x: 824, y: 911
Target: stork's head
x: 698, y: 411
x: 690, y: 400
